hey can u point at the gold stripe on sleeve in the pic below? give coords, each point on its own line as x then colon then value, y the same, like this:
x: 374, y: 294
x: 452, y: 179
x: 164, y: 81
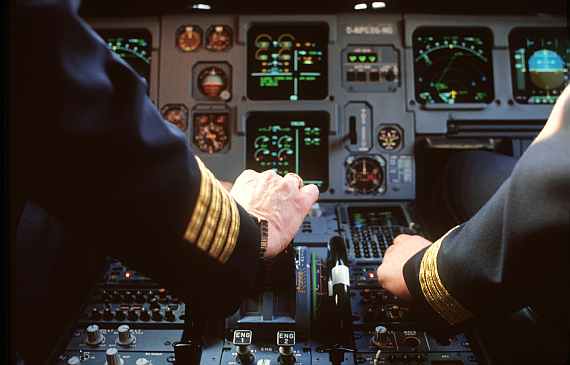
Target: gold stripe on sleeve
x: 434, y: 291
x: 214, y: 225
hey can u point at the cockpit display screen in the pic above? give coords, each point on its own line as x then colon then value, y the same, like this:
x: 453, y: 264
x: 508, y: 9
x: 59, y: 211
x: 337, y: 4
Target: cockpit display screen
x: 132, y: 45
x: 539, y: 63
x: 290, y: 142
x: 376, y: 216
x: 453, y: 65
x: 287, y: 62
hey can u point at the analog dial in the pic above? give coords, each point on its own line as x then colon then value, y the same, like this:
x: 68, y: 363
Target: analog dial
x: 212, y: 81
x: 365, y: 175
x: 211, y: 132
x: 219, y: 38
x: 189, y: 38
x: 389, y: 138
x: 177, y: 115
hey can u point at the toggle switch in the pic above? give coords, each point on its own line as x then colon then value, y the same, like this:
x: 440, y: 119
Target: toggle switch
x: 286, y: 341
x: 242, y: 340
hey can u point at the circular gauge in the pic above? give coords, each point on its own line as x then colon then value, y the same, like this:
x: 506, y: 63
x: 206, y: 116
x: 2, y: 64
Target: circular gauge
x: 189, y: 38
x: 389, y: 138
x: 364, y: 175
x: 210, y: 134
x: 212, y: 81
x: 453, y: 65
x: 219, y: 38
x: 177, y: 115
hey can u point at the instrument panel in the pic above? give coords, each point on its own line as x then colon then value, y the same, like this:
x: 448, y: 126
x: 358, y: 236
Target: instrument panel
x: 252, y: 91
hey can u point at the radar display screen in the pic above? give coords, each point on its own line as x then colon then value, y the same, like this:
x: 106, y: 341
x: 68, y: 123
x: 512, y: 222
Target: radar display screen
x: 453, y: 65
x: 132, y: 45
x: 287, y: 62
x: 376, y: 216
x: 539, y: 63
x: 289, y: 142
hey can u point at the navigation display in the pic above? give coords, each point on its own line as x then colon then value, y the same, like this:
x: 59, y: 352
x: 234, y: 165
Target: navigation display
x: 539, y: 64
x: 453, y: 65
x: 132, y: 45
x: 287, y: 62
x: 290, y: 142
x: 376, y: 216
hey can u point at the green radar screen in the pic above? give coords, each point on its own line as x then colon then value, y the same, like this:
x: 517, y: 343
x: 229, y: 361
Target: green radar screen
x: 539, y: 64
x: 453, y: 65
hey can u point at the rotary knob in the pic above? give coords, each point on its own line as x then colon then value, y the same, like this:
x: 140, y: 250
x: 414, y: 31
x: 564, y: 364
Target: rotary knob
x: 74, y: 361
x: 380, y: 338
x: 125, y: 337
x: 94, y: 336
x: 113, y: 357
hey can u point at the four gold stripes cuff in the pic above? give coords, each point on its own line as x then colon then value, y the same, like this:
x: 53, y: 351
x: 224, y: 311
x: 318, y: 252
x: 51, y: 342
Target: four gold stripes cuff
x: 214, y: 225
x: 434, y: 291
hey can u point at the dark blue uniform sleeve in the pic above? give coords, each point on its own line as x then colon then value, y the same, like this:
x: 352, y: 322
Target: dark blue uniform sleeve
x: 89, y: 147
x: 513, y: 253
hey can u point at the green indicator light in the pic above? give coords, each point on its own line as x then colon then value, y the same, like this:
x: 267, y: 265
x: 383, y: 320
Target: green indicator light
x: 362, y: 58
x: 372, y: 58
x: 352, y: 58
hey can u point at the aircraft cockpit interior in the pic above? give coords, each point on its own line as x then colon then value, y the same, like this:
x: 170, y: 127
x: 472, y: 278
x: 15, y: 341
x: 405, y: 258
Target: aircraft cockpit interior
x: 368, y: 100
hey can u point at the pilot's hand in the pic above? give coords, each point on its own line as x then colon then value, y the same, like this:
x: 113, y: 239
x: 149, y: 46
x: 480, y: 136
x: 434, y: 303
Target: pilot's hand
x: 282, y: 201
x: 391, y: 272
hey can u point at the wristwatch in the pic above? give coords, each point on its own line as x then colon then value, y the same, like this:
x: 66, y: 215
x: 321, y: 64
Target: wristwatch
x: 263, y: 232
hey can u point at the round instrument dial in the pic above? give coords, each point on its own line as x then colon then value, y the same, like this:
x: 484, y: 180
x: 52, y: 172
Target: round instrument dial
x: 189, y: 38
x: 365, y: 176
x: 453, y: 65
x: 389, y: 138
x: 219, y: 38
x: 210, y: 132
x: 212, y: 82
x: 177, y: 115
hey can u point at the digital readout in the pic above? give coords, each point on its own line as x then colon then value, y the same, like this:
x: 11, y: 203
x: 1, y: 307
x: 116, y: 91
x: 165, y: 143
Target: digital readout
x: 376, y: 216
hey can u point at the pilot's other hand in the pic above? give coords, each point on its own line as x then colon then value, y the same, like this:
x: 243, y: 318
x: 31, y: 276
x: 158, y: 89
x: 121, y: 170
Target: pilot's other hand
x: 282, y: 201
x: 391, y: 272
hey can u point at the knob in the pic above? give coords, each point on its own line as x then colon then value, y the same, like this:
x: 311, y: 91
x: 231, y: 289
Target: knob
x: 419, y: 358
x: 242, y: 339
x: 128, y: 297
x: 150, y: 295
x: 168, y: 314
x: 162, y: 296
x: 113, y: 357
x: 156, y: 315
x: 142, y: 361
x: 95, y: 314
x: 154, y: 303
x: 392, y: 358
x: 125, y: 337
x: 366, y: 296
x: 395, y: 311
x: 108, y: 314
x: 132, y: 315
x: 94, y: 336
x: 369, y: 315
x: 139, y: 297
x: 406, y: 357
x: 74, y: 361
x: 145, y: 315
x: 106, y: 297
x: 120, y: 314
x: 380, y: 338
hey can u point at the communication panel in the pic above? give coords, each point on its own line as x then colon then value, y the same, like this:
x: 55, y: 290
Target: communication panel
x: 299, y: 313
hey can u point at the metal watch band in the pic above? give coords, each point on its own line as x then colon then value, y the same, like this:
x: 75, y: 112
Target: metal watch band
x: 263, y: 232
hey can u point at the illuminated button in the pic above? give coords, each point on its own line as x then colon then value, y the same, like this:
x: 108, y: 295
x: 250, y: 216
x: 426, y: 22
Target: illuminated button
x: 361, y: 76
x: 351, y: 76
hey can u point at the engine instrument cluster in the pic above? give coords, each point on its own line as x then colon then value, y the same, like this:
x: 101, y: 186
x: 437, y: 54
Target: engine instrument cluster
x: 287, y: 62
